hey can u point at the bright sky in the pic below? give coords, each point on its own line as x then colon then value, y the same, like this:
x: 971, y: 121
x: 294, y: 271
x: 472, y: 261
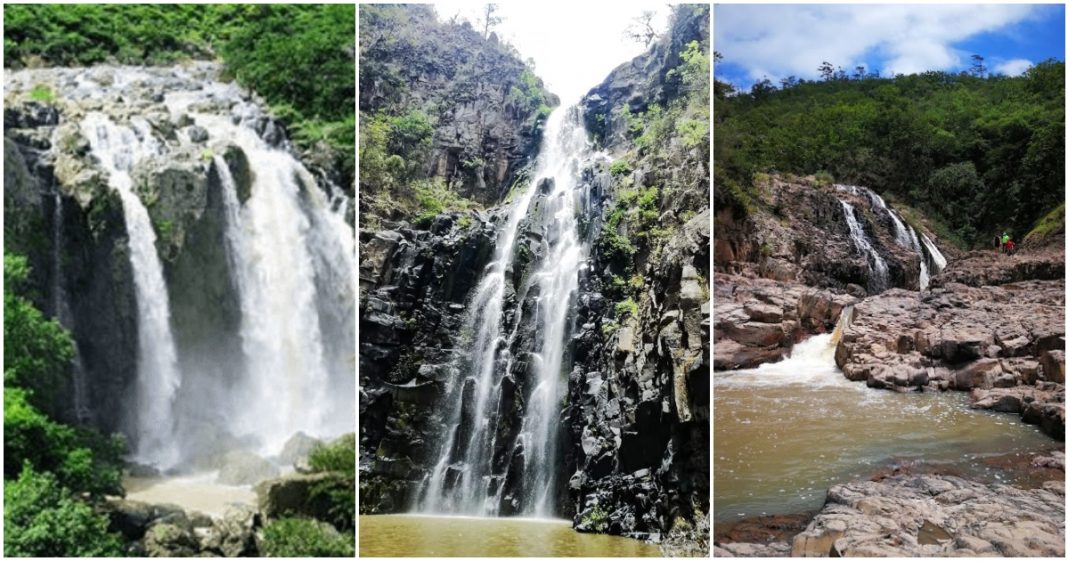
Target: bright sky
x: 783, y: 40
x: 573, y: 49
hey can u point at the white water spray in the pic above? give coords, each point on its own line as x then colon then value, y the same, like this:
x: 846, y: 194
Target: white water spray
x: 463, y: 479
x: 118, y: 149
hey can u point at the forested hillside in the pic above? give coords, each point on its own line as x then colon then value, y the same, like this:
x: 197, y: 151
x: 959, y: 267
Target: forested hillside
x: 982, y: 154
x: 299, y: 58
x: 450, y: 118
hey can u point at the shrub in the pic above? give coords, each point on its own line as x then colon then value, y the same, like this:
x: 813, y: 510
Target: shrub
x: 620, y: 167
x: 42, y: 519
x: 626, y: 307
x: 302, y: 537
x: 339, y: 458
x: 37, y: 350
x: 42, y: 93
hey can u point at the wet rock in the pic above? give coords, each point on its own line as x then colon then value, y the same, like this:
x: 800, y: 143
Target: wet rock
x: 297, y: 448
x: 170, y: 540
x: 197, y: 134
x: 233, y: 535
x: 132, y: 518
x: 292, y: 495
x: 241, y: 467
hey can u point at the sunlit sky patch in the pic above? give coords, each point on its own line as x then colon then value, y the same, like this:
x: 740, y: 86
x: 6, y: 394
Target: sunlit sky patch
x: 777, y: 41
x: 574, y: 45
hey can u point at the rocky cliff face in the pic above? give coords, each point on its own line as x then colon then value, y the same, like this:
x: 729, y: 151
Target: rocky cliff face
x: 634, y: 425
x: 62, y: 213
x: 485, y: 105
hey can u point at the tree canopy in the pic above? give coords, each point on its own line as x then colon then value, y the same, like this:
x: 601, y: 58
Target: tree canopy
x: 980, y: 154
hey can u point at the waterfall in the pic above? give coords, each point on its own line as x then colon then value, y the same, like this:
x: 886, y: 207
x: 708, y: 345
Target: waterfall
x: 464, y: 478
x: 275, y: 245
x: 880, y: 279
x: 118, y: 149
x: 936, y: 256
x: 61, y: 310
x: 905, y: 236
x: 289, y: 253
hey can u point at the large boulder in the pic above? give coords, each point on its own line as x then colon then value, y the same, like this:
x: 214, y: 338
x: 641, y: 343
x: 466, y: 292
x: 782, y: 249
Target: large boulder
x: 241, y: 467
x: 171, y: 540
x: 297, y: 448
x: 292, y: 495
x: 133, y: 518
x: 233, y: 535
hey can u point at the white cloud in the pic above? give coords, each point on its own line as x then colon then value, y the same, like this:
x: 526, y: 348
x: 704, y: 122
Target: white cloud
x: 783, y: 40
x: 1013, y: 67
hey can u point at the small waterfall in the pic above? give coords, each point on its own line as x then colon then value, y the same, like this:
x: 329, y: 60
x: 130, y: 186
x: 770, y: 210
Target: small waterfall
x: 61, y: 310
x: 905, y: 235
x: 463, y: 480
x: 880, y: 279
x: 936, y: 256
x: 118, y: 148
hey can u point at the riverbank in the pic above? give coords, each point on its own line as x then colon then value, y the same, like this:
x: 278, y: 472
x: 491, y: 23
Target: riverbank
x: 911, y: 471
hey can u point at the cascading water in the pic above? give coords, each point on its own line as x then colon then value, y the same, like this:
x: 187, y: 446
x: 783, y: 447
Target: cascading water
x: 464, y: 479
x: 905, y: 236
x: 61, y: 310
x: 880, y: 279
x: 118, y: 149
x: 289, y: 257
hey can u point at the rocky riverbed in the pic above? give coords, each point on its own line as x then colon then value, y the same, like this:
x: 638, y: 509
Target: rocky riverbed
x: 988, y: 324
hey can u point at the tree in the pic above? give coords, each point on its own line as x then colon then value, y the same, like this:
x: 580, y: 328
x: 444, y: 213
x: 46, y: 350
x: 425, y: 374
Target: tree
x: 762, y: 88
x: 489, y: 18
x: 859, y: 73
x: 42, y: 519
x: 978, y: 69
x: 826, y: 71
x: 641, y: 29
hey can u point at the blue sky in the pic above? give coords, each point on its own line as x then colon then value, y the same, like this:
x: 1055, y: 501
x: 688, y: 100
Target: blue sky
x: 777, y: 41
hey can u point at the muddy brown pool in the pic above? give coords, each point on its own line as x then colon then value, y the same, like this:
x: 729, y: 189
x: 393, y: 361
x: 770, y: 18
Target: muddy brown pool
x: 404, y: 535
x: 785, y: 432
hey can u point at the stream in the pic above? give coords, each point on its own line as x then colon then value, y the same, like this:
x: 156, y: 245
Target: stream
x: 786, y: 432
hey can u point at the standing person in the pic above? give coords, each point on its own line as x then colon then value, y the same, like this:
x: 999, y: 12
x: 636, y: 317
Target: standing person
x: 997, y: 242
x: 1004, y: 240
x: 1010, y: 247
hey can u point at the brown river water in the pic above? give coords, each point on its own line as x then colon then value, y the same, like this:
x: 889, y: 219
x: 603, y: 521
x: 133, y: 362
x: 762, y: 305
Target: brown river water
x: 406, y: 535
x: 786, y: 432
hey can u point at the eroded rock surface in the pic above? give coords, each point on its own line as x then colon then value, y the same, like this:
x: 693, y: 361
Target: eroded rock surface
x: 935, y: 516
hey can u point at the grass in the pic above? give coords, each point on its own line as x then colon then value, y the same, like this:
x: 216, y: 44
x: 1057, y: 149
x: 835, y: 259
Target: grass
x: 1051, y: 223
x: 42, y: 93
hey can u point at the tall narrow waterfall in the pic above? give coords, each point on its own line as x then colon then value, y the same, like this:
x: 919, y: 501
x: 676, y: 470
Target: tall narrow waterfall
x: 880, y: 279
x: 474, y: 472
x: 118, y: 149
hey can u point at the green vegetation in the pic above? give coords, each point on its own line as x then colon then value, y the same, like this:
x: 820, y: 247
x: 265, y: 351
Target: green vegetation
x: 302, y: 537
x: 596, y: 519
x: 42, y: 93
x: 626, y: 307
x: 620, y: 167
x: 979, y: 154
x: 669, y: 134
x: 397, y: 128
x: 339, y: 459
x: 298, y: 57
x: 42, y: 519
x: 1048, y: 224
x: 48, y: 465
